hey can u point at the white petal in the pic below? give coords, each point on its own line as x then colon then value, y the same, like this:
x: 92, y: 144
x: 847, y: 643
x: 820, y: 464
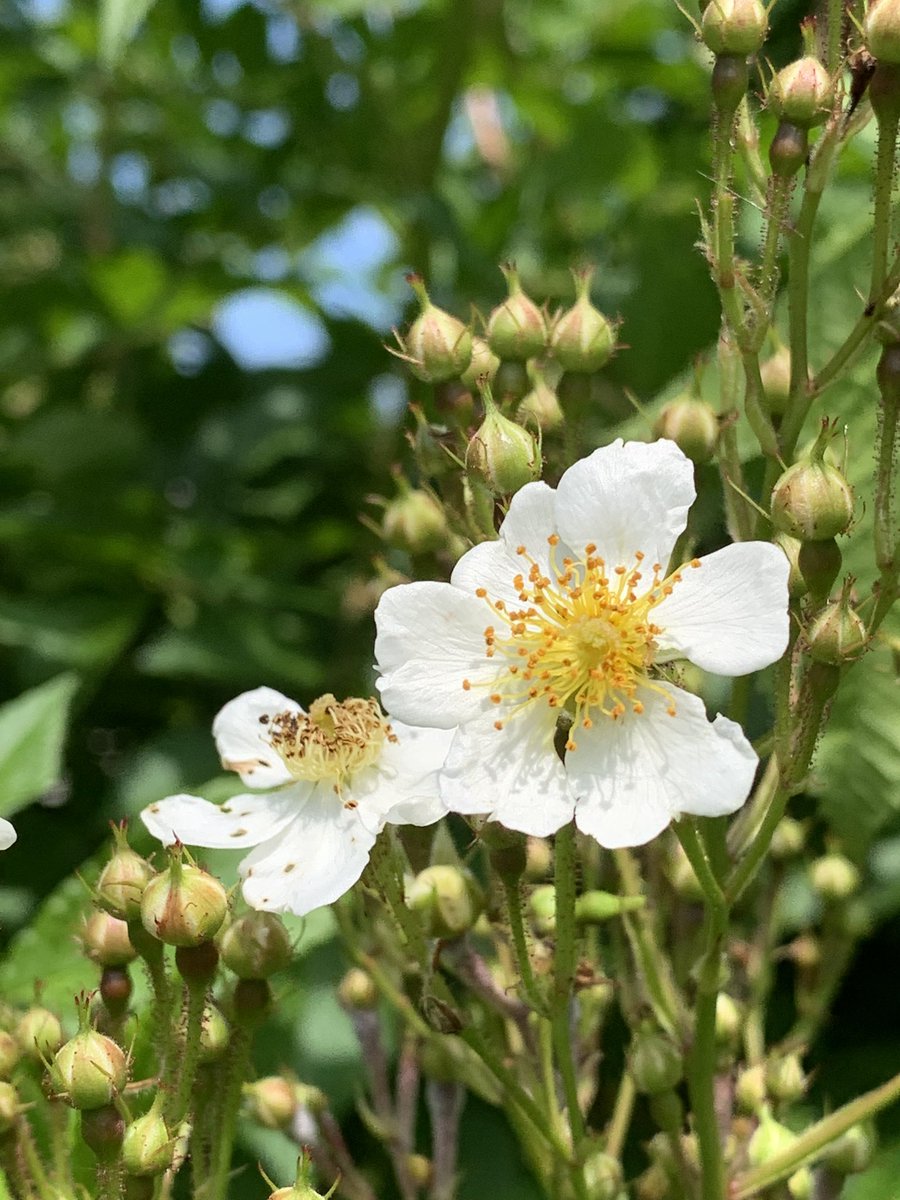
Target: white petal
x: 242, y: 740
x: 730, y: 614
x: 315, y: 860
x: 430, y: 638
x: 634, y: 775
x: 7, y: 834
x: 531, y: 519
x: 402, y: 787
x: 242, y: 821
x: 514, y: 775
x: 627, y: 497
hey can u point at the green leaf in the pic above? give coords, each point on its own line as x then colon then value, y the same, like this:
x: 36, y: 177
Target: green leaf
x: 118, y: 24
x: 32, y: 733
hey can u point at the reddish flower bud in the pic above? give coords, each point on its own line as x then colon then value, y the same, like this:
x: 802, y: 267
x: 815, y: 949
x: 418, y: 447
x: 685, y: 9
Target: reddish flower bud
x: 183, y: 906
x: 106, y: 941
x: 734, y: 26
x: 582, y: 338
x: 802, y: 93
x: 438, y: 347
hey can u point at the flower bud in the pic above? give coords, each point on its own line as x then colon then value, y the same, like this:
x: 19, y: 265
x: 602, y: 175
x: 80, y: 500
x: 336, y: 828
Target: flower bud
x: 302, y: 1189
x: 106, y: 941
x: 483, y: 364
x: 655, y: 1061
x: 734, y: 26
x: 512, y: 382
x: 542, y: 909
x: 582, y: 338
x: 692, y: 425
x: 602, y: 1176
x: 594, y: 907
x: 148, y: 1147
x: 791, y: 547
x: 10, y: 1053
x: 256, y: 945
x: 103, y: 1130
x: 785, y: 1079
x: 538, y: 859
x: 357, y: 989
x: 414, y: 521
x: 183, y: 906
x: 750, y: 1089
x: 652, y: 1184
x: 438, y: 347
x: 420, y: 1169
x: 838, y: 634
x: 271, y: 1101
x: 730, y: 76
x: 39, y: 1033
x: 430, y: 445
x: 834, y: 877
x: 775, y: 373
x: 728, y: 1020
x: 214, y: 1035
x: 820, y: 564
x: 853, y: 1150
x: 788, y: 839
x: 812, y: 500
x: 882, y: 30
x: 769, y: 1139
x: 448, y: 900
x: 802, y: 93
x: 806, y: 952
x: 89, y: 1070
x: 788, y: 150
x: 9, y: 1107
x: 503, y: 454
x: 115, y: 990
x: 540, y: 408
x: 122, y: 880
x: 516, y: 329
x: 800, y: 1185
x: 682, y: 875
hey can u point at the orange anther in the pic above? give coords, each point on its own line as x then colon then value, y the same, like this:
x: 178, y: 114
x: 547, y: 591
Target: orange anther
x: 481, y: 593
x: 498, y: 725
x: 467, y: 687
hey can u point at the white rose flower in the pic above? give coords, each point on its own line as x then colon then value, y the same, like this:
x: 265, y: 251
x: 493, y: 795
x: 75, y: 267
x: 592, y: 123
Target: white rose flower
x: 571, y: 611
x: 336, y: 775
x: 7, y: 834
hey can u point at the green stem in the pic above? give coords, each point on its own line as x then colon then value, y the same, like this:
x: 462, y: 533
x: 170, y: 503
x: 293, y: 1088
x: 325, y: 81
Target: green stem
x: 885, y: 523
x: 753, y: 406
x: 686, y: 832
x: 385, y: 867
x: 833, y: 21
x: 45, y: 1189
x: 740, y: 515
x: 884, y: 184
x: 653, y: 965
x: 620, y: 1121
x: 723, y: 222
x: 514, y: 915
x: 234, y: 1074
x: 703, y: 1057
x: 180, y: 1098
x: 153, y: 956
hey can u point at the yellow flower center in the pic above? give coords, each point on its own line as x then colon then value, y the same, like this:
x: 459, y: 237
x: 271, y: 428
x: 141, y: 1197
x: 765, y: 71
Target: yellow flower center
x: 333, y: 741
x: 583, y: 639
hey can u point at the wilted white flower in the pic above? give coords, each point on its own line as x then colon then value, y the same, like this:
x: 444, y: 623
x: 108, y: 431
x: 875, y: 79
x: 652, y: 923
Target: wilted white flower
x: 335, y: 775
x: 571, y: 612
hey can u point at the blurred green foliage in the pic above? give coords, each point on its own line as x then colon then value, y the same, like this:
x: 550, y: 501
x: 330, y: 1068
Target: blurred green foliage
x: 206, y: 230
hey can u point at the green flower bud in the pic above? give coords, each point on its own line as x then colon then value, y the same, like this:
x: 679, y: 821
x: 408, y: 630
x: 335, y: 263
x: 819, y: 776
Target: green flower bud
x: 769, y: 1139
x: 483, y: 364
x: 542, y: 910
x: 775, y: 373
x: 421, y: 1169
x: 681, y: 874
x: 838, y: 634
x: 9, y: 1107
x: 800, y: 1184
x: 750, y: 1090
x: 805, y: 952
x: 602, y: 1176
x: 788, y: 839
x: 516, y: 329
x: 834, y: 877
x: 103, y: 1130
x: 183, y: 906
x: 692, y: 425
x: 123, y: 879
x: 430, y: 444
x: 414, y: 521
x: 90, y: 1069
x: 10, y: 1053
x: 448, y: 900
x: 652, y: 1184
x: 729, y: 1021
x: 106, y: 941
x: 582, y: 339
x: 214, y: 1035
x: 791, y: 546
x: 882, y: 30
x: 512, y: 382
x: 785, y: 1079
x: 302, y: 1189
x: 852, y: 1152
x: 540, y: 408
x: 802, y: 93
x: 812, y: 500
x: 357, y: 989
x: 311, y: 1098
x: 734, y: 26
x: 256, y: 945
x: 820, y: 564
x: 438, y: 347
x: 501, y: 453
x: 594, y: 907
x: 788, y: 149
x: 655, y: 1061
x: 271, y: 1101
x: 148, y: 1147
x: 39, y: 1033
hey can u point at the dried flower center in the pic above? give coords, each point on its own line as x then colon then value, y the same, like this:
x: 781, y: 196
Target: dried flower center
x: 333, y: 741
x: 583, y: 639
